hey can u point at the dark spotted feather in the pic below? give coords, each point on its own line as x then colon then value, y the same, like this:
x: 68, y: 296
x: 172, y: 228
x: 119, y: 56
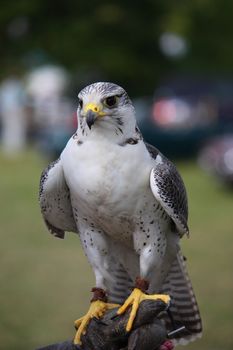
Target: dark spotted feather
x: 168, y: 188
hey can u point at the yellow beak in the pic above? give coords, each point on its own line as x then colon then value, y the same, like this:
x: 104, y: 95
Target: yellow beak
x: 98, y: 109
x: 93, y: 111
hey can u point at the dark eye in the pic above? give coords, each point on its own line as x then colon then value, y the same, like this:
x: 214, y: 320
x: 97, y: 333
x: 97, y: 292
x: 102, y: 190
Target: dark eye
x: 80, y: 103
x: 110, y: 101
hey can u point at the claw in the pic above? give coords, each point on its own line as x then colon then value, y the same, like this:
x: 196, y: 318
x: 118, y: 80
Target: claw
x: 78, y: 322
x: 135, y: 298
x: 97, y: 309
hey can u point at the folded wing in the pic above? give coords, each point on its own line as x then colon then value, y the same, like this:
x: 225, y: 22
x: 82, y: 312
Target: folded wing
x: 168, y: 188
x: 54, y: 198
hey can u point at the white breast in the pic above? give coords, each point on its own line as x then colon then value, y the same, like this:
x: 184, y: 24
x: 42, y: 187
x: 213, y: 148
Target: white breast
x: 106, y: 176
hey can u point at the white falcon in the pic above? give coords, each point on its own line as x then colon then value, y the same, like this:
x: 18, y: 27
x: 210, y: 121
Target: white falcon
x: 128, y: 204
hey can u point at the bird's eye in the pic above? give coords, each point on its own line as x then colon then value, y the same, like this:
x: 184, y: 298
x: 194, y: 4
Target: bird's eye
x: 80, y: 103
x: 110, y: 101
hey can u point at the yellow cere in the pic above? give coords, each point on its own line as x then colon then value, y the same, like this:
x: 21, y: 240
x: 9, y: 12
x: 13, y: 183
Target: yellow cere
x: 95, y: 108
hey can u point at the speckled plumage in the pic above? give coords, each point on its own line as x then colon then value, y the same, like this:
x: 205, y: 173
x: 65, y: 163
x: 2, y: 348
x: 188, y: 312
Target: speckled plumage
x: 54, y: 197
x: 125, y: 199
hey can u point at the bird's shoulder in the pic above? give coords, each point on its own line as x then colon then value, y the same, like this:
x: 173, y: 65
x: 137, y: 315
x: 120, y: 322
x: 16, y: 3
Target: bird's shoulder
x: 162, y: 164
x: 168, y: 187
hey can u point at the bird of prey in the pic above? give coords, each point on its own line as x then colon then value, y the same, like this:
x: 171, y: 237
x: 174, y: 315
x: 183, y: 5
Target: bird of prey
x: 128, y: 204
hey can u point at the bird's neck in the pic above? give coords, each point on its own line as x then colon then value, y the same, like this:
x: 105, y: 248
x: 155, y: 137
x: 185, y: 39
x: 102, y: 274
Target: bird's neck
x: 107, y: 132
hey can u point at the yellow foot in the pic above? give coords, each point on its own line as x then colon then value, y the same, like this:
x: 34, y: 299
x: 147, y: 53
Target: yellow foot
x: 97, y: 309
x: 135, y: 298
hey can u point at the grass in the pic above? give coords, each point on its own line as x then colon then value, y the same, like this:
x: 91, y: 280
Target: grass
x: 45, y: 282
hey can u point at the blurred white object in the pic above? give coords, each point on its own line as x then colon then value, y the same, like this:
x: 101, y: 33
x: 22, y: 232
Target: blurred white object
x: 12, y: 115
x: 46, y: 81
x: 173, y: 45
x: 45, y: 86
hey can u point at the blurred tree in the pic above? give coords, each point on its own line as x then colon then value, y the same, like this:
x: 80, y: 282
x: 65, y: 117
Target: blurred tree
x: 117, y: 40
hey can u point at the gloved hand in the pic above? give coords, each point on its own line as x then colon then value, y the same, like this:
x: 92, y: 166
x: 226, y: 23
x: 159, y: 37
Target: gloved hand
x: 108, y: 333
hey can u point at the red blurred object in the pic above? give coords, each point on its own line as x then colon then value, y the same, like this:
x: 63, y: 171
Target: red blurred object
x: 167, y: 345
x: 183, y: 113
x: 164, y: 112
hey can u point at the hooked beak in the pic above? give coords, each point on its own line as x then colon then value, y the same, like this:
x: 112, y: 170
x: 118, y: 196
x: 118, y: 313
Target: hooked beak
x: 91, y: 118
x: 92, y: 112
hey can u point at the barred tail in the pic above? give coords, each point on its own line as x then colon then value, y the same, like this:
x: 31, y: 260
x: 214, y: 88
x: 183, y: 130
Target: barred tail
x: 183, y: 309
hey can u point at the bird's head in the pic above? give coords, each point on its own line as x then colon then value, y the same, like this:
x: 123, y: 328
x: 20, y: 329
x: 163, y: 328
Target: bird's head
x: 105, y: 106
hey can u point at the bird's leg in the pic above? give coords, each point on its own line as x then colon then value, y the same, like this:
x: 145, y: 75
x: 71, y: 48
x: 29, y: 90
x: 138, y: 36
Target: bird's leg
x: 95, y: 245
x: 97, y: 309
x: 150, y: 268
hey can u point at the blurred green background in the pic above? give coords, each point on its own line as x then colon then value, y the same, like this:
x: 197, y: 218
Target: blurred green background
x: 45, y: 282
x: 118, y: 40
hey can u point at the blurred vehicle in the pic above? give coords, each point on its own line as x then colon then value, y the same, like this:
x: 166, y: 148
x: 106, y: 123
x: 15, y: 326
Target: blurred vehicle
x: 178, y: 119
x: 184, y: 113
x: 216, y: 158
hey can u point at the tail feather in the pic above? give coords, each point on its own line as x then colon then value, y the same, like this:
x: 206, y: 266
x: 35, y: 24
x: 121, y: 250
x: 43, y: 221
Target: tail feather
x: 121, y: 288
x: 183, y: 309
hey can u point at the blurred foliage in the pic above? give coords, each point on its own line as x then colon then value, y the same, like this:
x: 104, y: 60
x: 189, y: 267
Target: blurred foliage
x: 117, y: 40
x: 45, y: 282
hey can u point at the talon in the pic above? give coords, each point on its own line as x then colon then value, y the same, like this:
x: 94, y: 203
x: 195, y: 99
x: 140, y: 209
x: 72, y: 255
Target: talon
x: 112, y: 306
x: 136, y: 297
x: 77, y: 323
x: 97, y: 309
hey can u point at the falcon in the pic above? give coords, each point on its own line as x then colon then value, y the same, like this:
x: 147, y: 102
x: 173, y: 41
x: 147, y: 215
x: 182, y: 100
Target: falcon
x: 128, y: 204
